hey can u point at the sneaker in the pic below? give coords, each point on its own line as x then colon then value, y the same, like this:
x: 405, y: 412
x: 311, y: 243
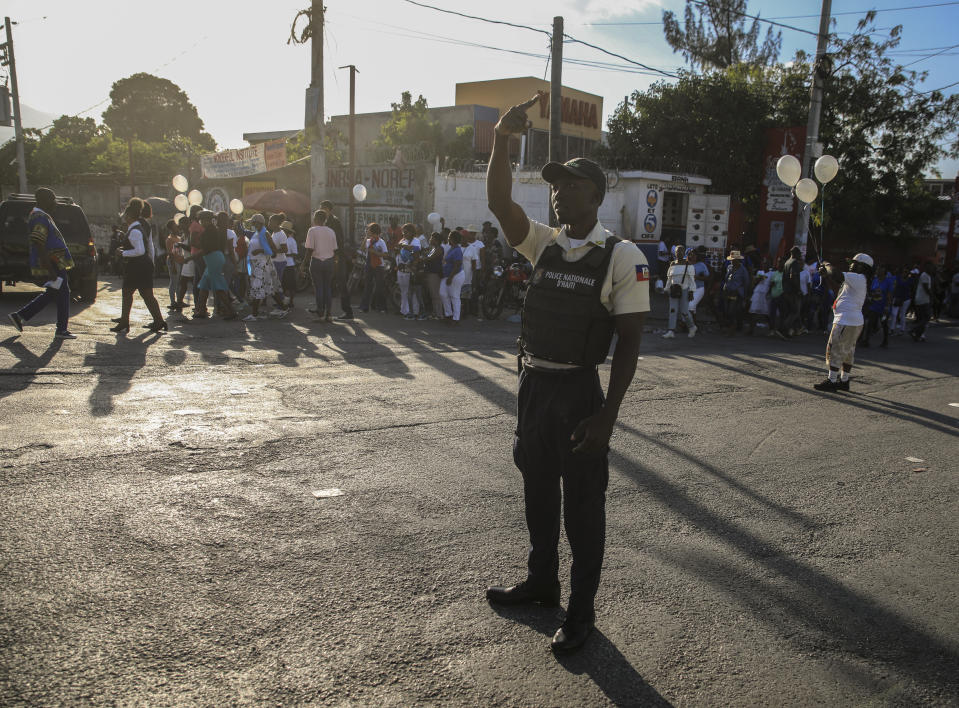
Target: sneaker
x: 17, y: 321
x: 277, y: 313
x: 65, y: 335
x: 692, y: 331
x: 345, y: 318
x: 669, y: 334
x: 842, y: 385
x: 312, y: 310
x: 827, y: 385
x: 250, y: 318
x: 423, y: 317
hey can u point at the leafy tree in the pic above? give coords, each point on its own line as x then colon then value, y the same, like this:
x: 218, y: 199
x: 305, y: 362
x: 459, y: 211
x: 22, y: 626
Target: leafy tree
x: 883, y: 129
x: 68, y: 148
x: 409, y: 124
x: 712, y: 124
x: 716, y: 35
x: 8, y: 158
x: 152, y: 109
x: 152, y: 161
x: 299, y: 146
x: 461, y: 147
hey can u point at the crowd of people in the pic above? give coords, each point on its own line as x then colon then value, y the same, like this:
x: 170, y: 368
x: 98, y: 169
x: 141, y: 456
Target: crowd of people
x: 791, y: 297
x: 253, y: 268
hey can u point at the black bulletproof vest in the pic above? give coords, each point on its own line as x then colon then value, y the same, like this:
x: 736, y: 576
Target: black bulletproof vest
x: 144, y: 230
x: 563, y: 318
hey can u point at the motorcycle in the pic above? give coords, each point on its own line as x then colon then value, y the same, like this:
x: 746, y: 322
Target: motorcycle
x: 357, y: 279
x: 506, y: 286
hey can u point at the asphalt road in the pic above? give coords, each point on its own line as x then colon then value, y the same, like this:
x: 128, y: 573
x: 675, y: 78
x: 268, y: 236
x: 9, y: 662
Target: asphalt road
x: 161, y: 543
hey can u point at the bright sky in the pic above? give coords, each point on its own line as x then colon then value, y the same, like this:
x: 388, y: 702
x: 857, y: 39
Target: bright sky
x: 237, y: 69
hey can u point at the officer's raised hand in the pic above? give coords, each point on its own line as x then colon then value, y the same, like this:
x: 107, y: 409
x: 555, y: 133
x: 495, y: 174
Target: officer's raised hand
x: 515, y: 121
x: 592, y: 435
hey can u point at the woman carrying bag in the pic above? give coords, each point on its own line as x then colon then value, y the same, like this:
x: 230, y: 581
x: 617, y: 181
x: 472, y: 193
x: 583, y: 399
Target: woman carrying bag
x: 680, y: 284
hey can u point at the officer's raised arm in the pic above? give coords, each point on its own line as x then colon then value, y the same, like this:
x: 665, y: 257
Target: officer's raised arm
x: 499, y: 176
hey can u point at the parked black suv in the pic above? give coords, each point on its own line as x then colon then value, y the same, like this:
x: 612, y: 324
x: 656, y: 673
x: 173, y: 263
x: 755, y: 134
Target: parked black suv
x: 15, y: 243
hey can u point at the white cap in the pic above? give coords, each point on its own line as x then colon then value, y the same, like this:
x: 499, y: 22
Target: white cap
x: 863, y: 258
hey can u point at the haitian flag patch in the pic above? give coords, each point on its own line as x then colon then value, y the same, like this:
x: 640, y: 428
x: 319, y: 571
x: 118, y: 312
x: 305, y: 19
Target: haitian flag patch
x: 642, y: 273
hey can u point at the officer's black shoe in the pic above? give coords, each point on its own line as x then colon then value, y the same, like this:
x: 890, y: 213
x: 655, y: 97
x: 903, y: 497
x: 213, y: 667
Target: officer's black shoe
x: 572, y: 635
x: 523, y: 594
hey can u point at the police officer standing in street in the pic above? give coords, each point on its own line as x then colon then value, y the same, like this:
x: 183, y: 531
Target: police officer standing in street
x: 586, y: 285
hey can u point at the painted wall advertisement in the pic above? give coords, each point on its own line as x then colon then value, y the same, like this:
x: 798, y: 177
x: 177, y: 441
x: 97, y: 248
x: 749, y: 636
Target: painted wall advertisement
x: 649, y: 213
x: 243, y: 162
x: 385, y: 184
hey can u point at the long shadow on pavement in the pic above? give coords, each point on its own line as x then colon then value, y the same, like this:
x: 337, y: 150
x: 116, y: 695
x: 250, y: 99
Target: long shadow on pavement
x: 911, y: 414
x: 24, y: 372
x: 599, y: 659
x: 115, y: 378
x: 839, y: 617
x: 783, y: 511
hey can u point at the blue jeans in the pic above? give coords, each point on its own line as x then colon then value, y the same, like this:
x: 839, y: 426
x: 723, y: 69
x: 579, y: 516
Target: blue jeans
x: 322, y: 274
x: 61, y: 297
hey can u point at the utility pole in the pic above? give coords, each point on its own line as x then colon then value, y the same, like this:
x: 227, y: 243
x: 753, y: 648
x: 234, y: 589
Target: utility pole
x: 556, y: 102
x: 17, y: 125
x: 315, y: 119
x: 353, y: 72
x: 812, y: 126
x: 133, y: 187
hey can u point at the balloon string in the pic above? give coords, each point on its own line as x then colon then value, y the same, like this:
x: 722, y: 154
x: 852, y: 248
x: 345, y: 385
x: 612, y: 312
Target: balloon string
x: 822, y: 223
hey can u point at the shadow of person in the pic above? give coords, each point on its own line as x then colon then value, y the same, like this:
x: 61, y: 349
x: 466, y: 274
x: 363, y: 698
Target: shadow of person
x: 360, y: 349
x: 24, y: 372
x: 599, y: 658
x: 115, y: 364
x: 611, y: 672
x: 795, y: 596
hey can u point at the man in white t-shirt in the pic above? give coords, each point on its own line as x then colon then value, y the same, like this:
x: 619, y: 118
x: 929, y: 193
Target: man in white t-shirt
x: 847, y: 319
x: 922, y: 303
x: 472, y: 263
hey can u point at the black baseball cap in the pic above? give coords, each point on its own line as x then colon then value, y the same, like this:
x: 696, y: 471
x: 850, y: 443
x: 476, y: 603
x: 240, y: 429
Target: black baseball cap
x: 577, y: 167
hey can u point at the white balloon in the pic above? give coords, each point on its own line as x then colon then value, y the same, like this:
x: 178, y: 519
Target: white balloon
x: 359, y: 192
x: 434, y: 218
x: 181, y: 202
x: 195, y: 197
x: 180, y: 184
x: 789, y: 170
x: 179, y: 216
x: 826, y: 168
x: 236, y: 206
x: 806, y: 190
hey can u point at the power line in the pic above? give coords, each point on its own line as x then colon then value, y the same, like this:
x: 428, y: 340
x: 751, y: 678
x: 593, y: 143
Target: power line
x: 534, y: 29
x: 165, y: 64
x: 790, y: 17
x: 760, y: 19
x: 481, y: 19
x: 930, y: 56
x: 620, y: 56
x: 941, y: 88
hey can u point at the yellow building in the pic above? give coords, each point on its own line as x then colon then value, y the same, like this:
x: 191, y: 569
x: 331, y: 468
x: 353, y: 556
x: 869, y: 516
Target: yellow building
x: 582, y: 119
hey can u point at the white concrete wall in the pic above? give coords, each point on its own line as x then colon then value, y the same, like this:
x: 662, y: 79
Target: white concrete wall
x: 461, y: 199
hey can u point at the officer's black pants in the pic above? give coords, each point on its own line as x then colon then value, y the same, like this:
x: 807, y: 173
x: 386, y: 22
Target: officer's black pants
x: 550, y: 406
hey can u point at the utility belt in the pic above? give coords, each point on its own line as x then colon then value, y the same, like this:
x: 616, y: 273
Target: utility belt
x: 523, y: 365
